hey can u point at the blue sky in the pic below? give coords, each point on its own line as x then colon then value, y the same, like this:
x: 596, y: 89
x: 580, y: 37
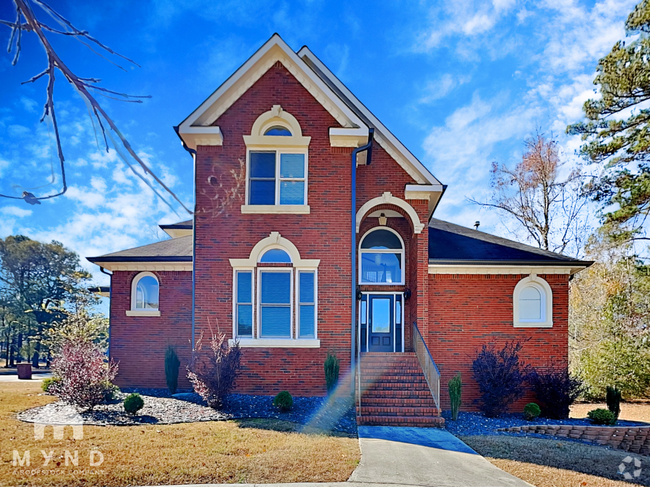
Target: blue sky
x: 462, y: 83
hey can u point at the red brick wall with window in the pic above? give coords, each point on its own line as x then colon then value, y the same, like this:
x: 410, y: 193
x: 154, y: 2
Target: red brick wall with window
x: 138, y: 343
x: 466, y: 311
x: 223, y: 232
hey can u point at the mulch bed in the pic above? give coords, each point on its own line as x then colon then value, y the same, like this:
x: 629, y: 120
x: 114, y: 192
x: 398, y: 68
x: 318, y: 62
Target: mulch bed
x: 313, y: 413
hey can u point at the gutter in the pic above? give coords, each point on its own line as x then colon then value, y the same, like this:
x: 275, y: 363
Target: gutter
x: 193, y: 154
x: 353, y: 252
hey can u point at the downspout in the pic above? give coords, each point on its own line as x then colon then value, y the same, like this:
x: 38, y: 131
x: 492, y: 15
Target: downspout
x: 193, y: 154
x: 110, y: 302
x: 353, y: 215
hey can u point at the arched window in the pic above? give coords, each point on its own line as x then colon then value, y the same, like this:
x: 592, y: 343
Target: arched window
x: 533, y: 303
x: 275, y: 296
x: 381, y: 258
x: 278, y: 131
x: 145, y: 291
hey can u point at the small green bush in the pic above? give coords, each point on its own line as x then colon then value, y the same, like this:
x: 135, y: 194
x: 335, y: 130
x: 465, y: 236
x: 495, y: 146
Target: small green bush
x: 614, y: 401
x: 133, y: 403
x: 531, y: 411
x: 283, y: 401
x: 172, y: 364
x: 455, y: 392
x: 331, y: 371
x: 602, y: 416
x: 110, y: 390
x: 48, y: 382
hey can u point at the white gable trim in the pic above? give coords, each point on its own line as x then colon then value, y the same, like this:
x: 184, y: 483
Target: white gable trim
x: 384, y: 137
x: 274, y: 50
x: 501, y: 269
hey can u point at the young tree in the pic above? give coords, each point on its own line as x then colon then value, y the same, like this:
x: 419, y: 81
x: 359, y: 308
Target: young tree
x: 548, y: 206
x: 37, y: 280
x: 617, y: 131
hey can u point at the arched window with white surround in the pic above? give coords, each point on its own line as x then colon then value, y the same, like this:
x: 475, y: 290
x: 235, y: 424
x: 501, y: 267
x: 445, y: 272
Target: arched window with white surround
x: 275, y: 296
x: 381, y: 257
x: 145, y: 295
x: 276, y: 165
x: 533, y: 303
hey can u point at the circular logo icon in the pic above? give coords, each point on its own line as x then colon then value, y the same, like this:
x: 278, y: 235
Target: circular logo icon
x: 627, y: 463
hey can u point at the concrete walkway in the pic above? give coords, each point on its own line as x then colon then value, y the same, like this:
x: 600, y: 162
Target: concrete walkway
x: 415, y: 457
x: 36, y: 376
x: 424, y: 457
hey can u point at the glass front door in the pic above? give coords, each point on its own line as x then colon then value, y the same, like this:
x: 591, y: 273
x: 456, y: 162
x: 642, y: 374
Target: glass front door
x: 380, y: 322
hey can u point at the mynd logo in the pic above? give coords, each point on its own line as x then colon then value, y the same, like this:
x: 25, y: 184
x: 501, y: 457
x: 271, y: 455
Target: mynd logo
x: 65, y: 416
x: 626, y: 466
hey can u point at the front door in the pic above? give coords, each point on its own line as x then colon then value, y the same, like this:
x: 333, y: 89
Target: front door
x: 381, y: 322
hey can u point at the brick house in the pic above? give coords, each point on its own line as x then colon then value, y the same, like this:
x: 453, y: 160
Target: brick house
x: 295, y: 179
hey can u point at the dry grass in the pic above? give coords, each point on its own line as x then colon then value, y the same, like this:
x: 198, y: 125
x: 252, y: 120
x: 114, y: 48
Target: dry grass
x: 215, y: 452
x: 630, y: 411
x: 553, y: 463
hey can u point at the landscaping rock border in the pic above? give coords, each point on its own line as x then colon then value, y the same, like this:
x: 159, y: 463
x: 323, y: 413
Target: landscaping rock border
x: 630, y: 439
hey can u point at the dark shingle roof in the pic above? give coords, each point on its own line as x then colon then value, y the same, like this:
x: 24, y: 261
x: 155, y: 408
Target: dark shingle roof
x: 186, y: 225
x: 172, y: 250
x: 454, y: 244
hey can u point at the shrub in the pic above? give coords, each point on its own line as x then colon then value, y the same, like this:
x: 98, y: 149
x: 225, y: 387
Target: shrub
x: 133, y: 403
x: 500, y: 377
x: 556, y: 390
x: 213, y: 374
x: 47, y: 383
x: 331, y: 371
x: 110, y: 391
x: 602, y: 416
x: 614, y: 401
x: 83, y: 376
x: 455, y: 391
x: 283, y: 401
x: 172, y: 364
x: 531, y: 411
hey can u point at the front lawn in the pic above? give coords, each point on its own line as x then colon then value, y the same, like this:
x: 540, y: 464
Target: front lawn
x: 208, y: 452
x: 556, y: 463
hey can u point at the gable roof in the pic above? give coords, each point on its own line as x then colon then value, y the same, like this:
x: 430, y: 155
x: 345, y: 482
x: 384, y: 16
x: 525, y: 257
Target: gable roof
x: 451, y: 244
x: 172, y: 250
x: 351, y: 114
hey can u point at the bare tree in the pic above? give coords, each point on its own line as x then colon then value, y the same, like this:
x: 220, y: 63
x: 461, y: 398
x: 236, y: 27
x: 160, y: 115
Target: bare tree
x: 27, y: 21
x: 550, y: 208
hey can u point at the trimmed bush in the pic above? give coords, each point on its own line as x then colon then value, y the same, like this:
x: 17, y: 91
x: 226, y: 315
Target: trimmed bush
x: 172, y: 365
x: 283, y: 401
x: 602, y: 416
x: 133, y: 403
x: 500, y: 377
x: 614, y: 401
x: 83, y: 375
x: 48, y: 382
x: 110, y: 391
x: 213, y: 374
x: 331, y: 371
x: 455, y: 392
x: 555, y: 390
x: 531, y: 411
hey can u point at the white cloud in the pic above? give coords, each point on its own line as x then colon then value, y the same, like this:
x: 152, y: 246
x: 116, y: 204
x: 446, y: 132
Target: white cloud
x: 15, y: 211
x: 440, y: 88
x: 28, y: 104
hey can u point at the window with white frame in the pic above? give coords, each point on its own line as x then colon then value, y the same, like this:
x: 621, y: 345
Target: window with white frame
x: 275, y: 299
x: 533, y: 303
x: 145, y: 291
x: 277, y: 178
x: 277, y: 167
x: 381, y: 256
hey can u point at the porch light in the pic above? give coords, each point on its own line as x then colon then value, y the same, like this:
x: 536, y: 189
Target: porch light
x: 383, y: 219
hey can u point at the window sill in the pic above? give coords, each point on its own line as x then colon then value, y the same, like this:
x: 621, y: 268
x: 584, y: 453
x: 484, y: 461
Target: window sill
x: 275, y: 209
x: 533, y: 324
x: 142, y: 312
x: 276, y: 343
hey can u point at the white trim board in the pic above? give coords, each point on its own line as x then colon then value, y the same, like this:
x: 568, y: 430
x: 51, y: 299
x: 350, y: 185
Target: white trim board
x: 146, y: 266
x: 502, y: 269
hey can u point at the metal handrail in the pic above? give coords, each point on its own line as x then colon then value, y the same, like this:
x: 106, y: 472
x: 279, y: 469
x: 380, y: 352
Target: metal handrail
x: 429, y: 367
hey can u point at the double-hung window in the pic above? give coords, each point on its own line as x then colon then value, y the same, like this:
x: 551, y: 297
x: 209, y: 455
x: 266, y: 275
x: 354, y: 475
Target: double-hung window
x: 277, y: 178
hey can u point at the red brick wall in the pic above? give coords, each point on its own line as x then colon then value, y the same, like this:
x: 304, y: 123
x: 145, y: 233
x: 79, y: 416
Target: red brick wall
x: 466, y: 311
x: 224, y: 233
x: 138, y: 343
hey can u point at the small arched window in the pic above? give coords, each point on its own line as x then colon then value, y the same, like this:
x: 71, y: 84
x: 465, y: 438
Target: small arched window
x: 278, y: 131
x: 533, y: 303
x: 381, y: 258
x: 145, y: 293
x: 275, y: 256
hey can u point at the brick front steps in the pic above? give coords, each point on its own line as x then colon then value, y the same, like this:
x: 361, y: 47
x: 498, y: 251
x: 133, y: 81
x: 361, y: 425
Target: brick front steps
x: 631, y: 439
x: 394, y: 392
